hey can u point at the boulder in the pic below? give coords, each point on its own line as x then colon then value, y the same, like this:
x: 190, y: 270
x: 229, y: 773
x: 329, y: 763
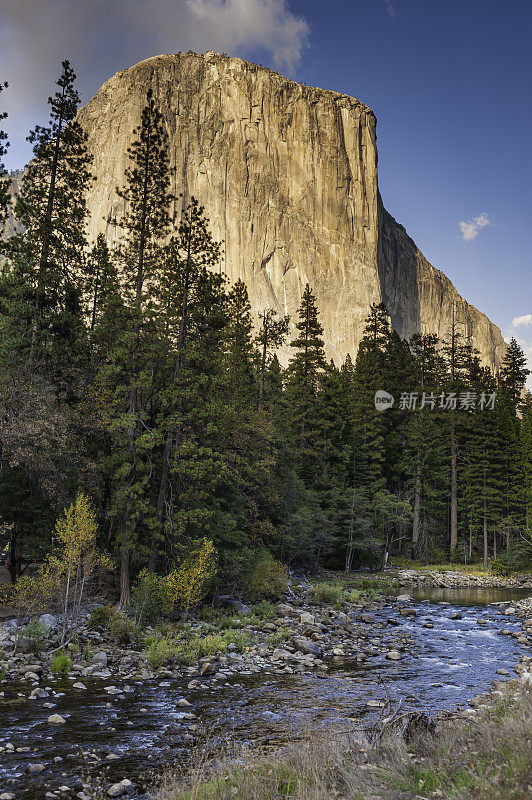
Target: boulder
x: 304, y: 645
x: 56, y: 719
x: 393, y: 655
x: 120, y: 789
x: 35, y: 769
x: 49, y: 620
x: 306, y: 618
x: 99, y: 659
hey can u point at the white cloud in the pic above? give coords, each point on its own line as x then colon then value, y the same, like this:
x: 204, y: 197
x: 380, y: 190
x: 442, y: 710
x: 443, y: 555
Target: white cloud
x: 470, y: 230
x: 102, y: 36
x: 264, y: 23
x: 390, y: 8
x: 518, y: 322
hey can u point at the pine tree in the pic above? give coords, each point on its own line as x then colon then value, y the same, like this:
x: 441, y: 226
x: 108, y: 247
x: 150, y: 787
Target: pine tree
x: 305, y: 371
x: 460, y: 365
x: 423, y: 454
x: 145, y: 226
x: 271, y: 335
x: 51, y: 213
x: 186, y: 289
x: 369, y: 376
x: 514, y: 372
x: 102, y: 280
x: 4, y: 177
x: 241, y: 353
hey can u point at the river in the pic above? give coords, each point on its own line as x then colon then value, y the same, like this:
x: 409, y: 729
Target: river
x: 442, y: 667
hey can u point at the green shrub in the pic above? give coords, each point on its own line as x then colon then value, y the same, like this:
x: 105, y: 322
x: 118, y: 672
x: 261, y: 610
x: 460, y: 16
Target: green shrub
x: 100, y: 617
x: 61, y: 665
x: 123, y: 629
x: 265, y: 610
x: 516, y: 560
x: 34, y: 633
x: 158, y: 651
x: 268, y: 581
x: 327, y: 593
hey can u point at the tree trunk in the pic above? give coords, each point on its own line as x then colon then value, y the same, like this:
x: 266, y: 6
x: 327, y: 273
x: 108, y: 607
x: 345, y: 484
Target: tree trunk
x: 125, y: 566
x: 417, y: 510
x: 165, y: 468
x: 454, y: 492
x: 13, y: 561
x: 485, y: 530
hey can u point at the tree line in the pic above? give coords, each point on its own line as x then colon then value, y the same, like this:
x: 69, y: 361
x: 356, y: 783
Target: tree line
x: 136, y: 375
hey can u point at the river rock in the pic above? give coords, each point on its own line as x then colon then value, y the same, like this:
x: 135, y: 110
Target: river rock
x: 80, y: 686
x: 405, y: 598
x: 306, y: 618
x: 458, y: 615
x: 99, y: 659
x: 35, y: 769
x: 56, y: 719
x: 49, y: 620
x: 120, y: 789
x: 393, y: 655
x: 306, y: 646
x: 284, y: 610
x: 38, y: 693
x: 31, y: 676
x: 7, y: 796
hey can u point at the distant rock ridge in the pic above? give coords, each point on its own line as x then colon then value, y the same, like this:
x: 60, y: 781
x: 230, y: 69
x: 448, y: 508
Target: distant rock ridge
x: 288, y: 176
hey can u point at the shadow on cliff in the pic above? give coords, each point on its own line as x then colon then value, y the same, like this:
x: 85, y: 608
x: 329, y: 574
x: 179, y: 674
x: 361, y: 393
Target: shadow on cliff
x: 397, y: 263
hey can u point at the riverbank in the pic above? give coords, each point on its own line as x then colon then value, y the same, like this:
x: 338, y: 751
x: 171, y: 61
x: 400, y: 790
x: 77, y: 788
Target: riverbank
x: 486, y: 753
x: 261, y: 674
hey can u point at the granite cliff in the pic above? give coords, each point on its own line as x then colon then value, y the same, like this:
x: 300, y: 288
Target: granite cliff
x: 288, y: 176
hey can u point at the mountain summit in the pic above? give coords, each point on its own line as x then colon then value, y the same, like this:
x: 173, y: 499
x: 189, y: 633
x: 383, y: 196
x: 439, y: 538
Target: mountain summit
x: 288, y: 176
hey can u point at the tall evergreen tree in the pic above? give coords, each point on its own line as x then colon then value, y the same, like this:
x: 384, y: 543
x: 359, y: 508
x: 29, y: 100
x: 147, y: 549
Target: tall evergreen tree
x: 145, y: 226
x: 514, y: 372
x: 271, y: 335
x: 305, y: 371
x: 4, y: 178
x: 51, y: 213
x: 186, y: 289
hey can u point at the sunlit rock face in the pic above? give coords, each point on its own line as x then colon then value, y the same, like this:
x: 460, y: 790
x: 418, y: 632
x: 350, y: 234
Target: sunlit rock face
x: 288, y: 177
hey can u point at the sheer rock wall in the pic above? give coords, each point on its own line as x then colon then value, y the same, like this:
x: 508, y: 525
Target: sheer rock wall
x: 288, y: 178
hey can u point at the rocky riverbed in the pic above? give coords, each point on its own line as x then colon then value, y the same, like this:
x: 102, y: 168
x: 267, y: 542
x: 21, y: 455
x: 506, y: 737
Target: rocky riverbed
x: 117, y: 719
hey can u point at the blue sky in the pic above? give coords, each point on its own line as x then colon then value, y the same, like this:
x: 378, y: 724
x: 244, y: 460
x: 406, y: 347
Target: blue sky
x: 449, y: 83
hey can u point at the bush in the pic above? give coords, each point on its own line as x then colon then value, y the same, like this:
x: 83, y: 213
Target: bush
x: 123, y: 629
x: 158, y: 651
x: 327, y: 593
x: 265, y: 610
x: 518, y: 559
x: 268, y: 580
x: 160, y: 596
x: 100, y: 617
x: 61, y: 665
x: 34, y: 633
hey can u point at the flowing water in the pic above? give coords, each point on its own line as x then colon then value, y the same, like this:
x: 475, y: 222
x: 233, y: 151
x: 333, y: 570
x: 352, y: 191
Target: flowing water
x: 447, y: 665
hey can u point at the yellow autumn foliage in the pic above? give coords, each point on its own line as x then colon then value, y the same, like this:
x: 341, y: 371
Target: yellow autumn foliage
x: 181, y: 590
x: 66, y: 574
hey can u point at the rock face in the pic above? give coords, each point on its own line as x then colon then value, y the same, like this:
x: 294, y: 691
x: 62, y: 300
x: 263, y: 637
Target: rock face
x: 288, y: 177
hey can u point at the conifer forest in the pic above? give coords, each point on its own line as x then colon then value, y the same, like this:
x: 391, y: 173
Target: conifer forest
x: 136, y: 375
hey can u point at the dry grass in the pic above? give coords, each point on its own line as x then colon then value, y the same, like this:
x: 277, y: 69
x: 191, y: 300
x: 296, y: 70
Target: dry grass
x: 488, y: 758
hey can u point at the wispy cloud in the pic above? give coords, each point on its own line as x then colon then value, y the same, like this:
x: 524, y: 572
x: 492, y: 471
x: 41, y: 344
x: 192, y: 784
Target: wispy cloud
x: 470, y: 230
x: 518, y: 322
x: 390, y: 8
x: 102, y: 36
